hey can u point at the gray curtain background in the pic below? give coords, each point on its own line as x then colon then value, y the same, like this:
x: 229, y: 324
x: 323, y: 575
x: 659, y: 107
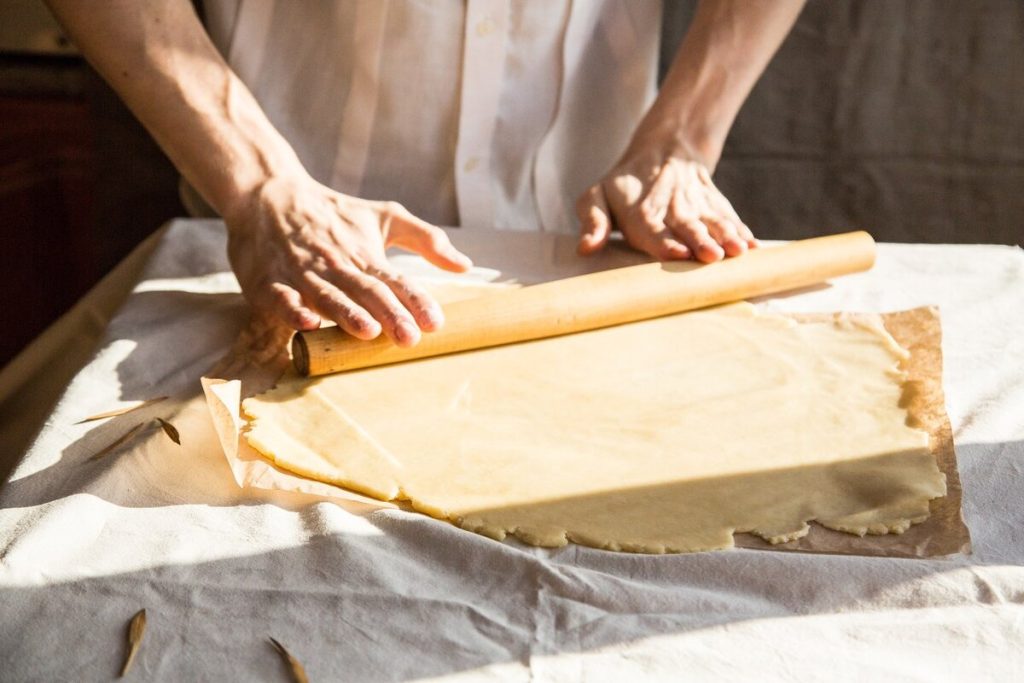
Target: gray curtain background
x: 901, y: 117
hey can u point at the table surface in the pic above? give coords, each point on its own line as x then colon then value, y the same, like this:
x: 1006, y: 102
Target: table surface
x: 358, y: 593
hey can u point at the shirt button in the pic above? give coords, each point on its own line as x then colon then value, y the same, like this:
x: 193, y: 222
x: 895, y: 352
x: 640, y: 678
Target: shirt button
x: 471, y: 164
x: 485, y: 27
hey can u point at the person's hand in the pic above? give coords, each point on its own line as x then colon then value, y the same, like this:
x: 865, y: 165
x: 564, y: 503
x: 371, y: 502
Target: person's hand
x: 663, y: 201
x: 303, y: 252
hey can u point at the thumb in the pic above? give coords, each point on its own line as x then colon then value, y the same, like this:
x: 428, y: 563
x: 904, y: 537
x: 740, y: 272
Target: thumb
x: 415, y: 235
x: 595, y: 222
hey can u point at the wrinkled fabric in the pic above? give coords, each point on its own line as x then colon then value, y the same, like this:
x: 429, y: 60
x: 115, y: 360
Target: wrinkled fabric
x: 359, y: 594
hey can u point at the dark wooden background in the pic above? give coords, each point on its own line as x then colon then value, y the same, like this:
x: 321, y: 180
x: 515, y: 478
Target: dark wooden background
x: 81, y: 183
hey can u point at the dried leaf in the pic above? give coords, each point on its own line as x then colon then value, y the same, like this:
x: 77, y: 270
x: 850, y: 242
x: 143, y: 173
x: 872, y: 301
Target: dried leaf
x: 121, y: 411
x: 169, y: 430
x: 298, y: 673
x: 136, y: 629
x: 124, y: 437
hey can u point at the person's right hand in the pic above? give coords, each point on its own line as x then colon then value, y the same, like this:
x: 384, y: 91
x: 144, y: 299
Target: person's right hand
x: 303, y: 252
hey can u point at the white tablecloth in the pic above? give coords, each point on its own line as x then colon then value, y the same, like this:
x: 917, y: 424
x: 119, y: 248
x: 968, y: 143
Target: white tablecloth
x: 359, y: 594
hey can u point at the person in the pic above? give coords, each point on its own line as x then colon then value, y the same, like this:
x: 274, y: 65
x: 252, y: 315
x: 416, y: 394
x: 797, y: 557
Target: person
x: 325, y: 132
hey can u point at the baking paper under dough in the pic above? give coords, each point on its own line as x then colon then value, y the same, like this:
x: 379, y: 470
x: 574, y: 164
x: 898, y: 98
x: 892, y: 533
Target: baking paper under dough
x: 667, y: 435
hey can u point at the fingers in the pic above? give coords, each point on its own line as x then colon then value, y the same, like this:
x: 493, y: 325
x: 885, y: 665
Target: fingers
x: 642, y: 226
x: 726, y: 233
x: 695, y: 234
x: 430, y: 242
x: 377, y: 299
x: 731, y: 225
x: 655, y: 237
x: 746, y: 235
x: 595, y: 221
x: 424, y: 309
x: 368, y: 297
x: 364, y: 304
x: 661, y: 244
x: 640, y: 214
x: 286, y: 303
x: 723, y: 221
x: 644, y: 230
x: 335, y: 305
x: 648, y: 234
x: 380, y: 302
x: 709, y: 238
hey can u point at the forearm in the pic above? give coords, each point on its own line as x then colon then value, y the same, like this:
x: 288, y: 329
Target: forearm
x: 725, y: 51
x: 159, y: 59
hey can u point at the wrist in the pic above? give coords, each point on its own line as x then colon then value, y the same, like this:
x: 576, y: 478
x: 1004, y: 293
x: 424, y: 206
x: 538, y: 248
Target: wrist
x: 679, y: 134
x: 250, y: 152
x: 242, y: 192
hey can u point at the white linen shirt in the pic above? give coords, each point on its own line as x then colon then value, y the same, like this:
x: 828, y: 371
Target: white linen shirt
x: 486, y: 113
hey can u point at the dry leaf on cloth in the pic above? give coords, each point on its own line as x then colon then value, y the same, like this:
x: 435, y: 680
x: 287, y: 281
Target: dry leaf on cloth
x: 298, y: 673
x: 121, y: 411
x: 170, y: 430
x: 136, y: 629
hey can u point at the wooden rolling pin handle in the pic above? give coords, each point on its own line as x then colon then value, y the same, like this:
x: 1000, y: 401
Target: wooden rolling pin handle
x: 300, y: 354
x: 602, y: 299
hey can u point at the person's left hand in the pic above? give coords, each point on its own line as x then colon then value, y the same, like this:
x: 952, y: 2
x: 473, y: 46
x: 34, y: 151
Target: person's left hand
x: 663, y: 201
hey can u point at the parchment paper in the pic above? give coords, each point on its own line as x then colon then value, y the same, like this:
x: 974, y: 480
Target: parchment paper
x: 250, y: 469
x: 918, y: 330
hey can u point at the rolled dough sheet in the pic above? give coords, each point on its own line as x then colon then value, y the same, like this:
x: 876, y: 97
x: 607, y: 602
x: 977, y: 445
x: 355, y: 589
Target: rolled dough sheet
x: 668, y: 435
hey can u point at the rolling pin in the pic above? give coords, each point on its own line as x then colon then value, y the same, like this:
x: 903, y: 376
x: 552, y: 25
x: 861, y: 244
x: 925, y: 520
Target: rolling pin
x: 602, y: 299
